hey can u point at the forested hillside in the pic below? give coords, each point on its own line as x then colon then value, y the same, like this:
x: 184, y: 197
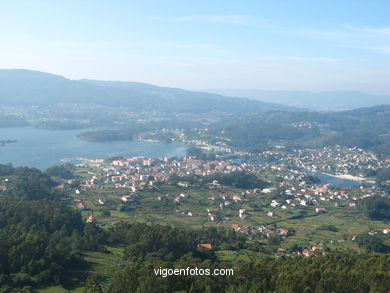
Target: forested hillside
x: 365, y: 128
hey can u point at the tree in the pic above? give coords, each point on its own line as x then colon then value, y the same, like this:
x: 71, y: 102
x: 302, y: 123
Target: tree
x: 93, y: 284
x: 371, y: 242
x: 196, y: 153
x: 60, y: 171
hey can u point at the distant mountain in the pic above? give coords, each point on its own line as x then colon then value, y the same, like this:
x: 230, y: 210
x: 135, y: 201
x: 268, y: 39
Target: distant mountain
x: 321, y: 101
x: 366, y: 128
x: 32, y: 88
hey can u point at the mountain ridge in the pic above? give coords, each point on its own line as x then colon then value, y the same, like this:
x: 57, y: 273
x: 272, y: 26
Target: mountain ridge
x: 319, y: 101
x: 19, y: 87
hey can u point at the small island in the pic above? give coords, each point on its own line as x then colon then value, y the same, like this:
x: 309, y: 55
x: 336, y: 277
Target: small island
x: 106, y: 135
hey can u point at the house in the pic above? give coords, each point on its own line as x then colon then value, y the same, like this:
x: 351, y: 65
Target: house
x: 236, y: 198
x: 242, y: 214
x: 80, y: 206
x: 320, y: 210
x: 205, y: 245
x: 243, y: 230
x: 161, y: 197
x: 315, y: 248
x: 183, y: 184
x: 101, y: 201
x: 212, y: 216
x: 283, y: 231
x: 386, y: 231
x: 134, y: 188
x: 128, y: 198
x: 274, y: 203
x: 280, y: 249
x: 3, y: 188
x: 91, y: 219
x: 270, y: 214
x: 215, y: 183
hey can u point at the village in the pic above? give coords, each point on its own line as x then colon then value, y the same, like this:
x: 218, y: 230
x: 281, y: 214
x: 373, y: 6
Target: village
x: 181, y: 191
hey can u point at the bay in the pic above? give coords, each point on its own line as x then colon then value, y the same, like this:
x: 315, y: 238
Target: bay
x: 44, y: 148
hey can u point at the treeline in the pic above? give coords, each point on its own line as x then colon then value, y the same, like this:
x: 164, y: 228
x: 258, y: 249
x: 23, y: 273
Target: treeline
x: 62, y: 171
x: 238, y: 179
x: 337, y: 272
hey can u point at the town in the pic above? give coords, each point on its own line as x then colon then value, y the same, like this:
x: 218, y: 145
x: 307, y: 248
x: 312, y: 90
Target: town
x: 291, y: 209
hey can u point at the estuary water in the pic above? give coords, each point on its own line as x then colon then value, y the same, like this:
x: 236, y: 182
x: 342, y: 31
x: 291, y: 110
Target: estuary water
x: 338, y: 181
x: 44, y: 148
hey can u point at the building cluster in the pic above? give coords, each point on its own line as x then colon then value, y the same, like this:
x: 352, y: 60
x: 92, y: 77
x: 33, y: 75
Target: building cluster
x: 136, y: 174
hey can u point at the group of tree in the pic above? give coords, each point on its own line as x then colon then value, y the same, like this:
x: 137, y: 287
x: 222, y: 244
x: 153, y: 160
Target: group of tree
x: 143, y: 241
x: 63, y: 171
x: 41, y: 237
x: 199, y: 154
x: 237, y: 179
x: 39, y: 241
x: 377, y: 208
x: 342, y: 272
x: 106, y: 135
x: 373, y: 243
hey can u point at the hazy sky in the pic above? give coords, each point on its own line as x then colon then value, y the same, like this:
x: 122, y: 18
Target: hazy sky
x: 282, y: 45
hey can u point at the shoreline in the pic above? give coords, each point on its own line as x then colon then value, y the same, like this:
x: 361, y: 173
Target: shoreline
x: 347, y: 177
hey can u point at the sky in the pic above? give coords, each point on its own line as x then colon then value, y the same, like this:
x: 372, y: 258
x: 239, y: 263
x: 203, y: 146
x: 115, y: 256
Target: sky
x: 311, y: 45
